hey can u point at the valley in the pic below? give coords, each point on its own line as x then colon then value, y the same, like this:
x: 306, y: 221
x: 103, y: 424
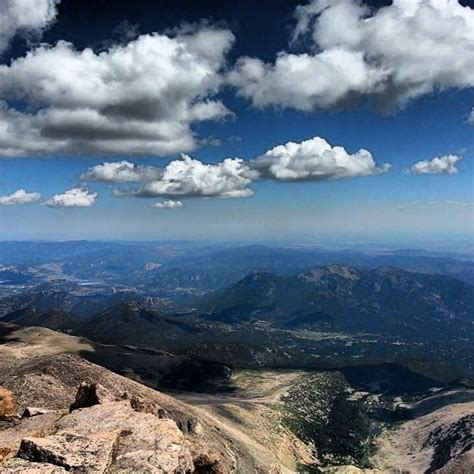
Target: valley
x: 278, y: 420
x: 290, y: 367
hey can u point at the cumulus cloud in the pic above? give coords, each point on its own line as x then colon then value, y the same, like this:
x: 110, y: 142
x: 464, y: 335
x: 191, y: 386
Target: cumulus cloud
x: 191, y: 177
x: 304, y: 82
x: 25, y: 17
x: 311, y: 160
x: 440, y: 165
x: 121, y: 172
x: 168, y: 204
x: 137, y: 98
x: 19, y: 197
x: 396, y: 53
x: 75, y: 197
x: 315, y: 160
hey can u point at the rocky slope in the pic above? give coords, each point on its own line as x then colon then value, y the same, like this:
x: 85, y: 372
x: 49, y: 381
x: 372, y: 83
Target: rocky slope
x: 117, y: 415
x: 154, y: 368
x: 439, y: 437
x: 116, y: 424
x: 60, y: 412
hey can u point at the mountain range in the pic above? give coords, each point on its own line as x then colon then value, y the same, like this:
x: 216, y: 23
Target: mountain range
x: 386, y: 300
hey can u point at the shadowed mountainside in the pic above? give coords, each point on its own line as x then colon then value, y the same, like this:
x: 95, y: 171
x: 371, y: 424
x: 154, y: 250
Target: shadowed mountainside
x: 154, y: 368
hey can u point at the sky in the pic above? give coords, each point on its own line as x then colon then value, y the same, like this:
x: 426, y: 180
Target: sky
x: 214, y: 120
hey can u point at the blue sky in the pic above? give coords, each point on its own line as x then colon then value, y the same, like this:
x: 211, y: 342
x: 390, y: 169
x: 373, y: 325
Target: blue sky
x: 433, y: 124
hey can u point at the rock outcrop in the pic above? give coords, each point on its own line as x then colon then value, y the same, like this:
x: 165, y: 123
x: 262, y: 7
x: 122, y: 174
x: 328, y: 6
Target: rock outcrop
x: 71, y: 422
x: 90, y: 394
x: 437, y: 438
x: 106, y: 434
x: 73, y: 452
x: 7, y: 404
x: 452, y: 446
x: 44, y: 370
x: 21, y: 466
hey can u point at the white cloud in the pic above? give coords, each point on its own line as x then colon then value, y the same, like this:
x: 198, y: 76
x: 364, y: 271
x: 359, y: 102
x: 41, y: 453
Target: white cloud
x: 19, y: 197
x: 211, y: 141
x: 25, y: 17
x: 396, y: 53
x: 191, y: 177
x: 75, y: 197
x: 440, y: 165
x: 169, y: 204
x: 304, y: 81
x: 470, y: 119
x: 138, y: 98
x: 442, y: 206
x: 121, y: 172
x: 311, y: 160
x: 315, y: 160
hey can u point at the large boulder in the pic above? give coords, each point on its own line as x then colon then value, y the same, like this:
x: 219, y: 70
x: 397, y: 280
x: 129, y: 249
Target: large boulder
x: 36, y: 426
x: 145, y: 405
x: 7, y: 403
x: 111, y: 437
x: 147, y: 443
x: 155, y: 429
x: 90, y: 394
x: 73, y: 452
x: 22, y: 466
x: 102, y: 433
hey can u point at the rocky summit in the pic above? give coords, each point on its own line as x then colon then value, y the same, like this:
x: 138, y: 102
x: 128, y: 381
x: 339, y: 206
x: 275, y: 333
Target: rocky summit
x: 104, y: 433
x: 119, y: 426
